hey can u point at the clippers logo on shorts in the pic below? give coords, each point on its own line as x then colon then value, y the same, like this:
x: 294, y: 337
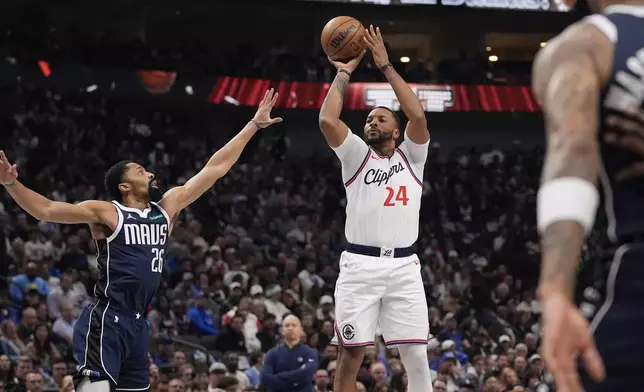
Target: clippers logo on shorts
x: 348, y: 332
x: 145, y: 234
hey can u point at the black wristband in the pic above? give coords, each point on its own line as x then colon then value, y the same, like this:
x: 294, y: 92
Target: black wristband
x: 345, y: 71
x: 384, y: 67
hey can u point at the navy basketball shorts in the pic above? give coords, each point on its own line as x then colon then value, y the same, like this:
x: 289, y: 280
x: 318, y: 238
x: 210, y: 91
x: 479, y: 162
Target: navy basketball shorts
x: 618, y: 325
x: 113, y: 346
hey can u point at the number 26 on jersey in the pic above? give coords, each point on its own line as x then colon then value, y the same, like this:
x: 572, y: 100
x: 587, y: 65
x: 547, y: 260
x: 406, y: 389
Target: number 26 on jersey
x: 396, y: 196
x: 157, y: 260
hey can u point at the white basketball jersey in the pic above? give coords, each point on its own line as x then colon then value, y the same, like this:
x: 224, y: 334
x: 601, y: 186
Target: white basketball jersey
x: 383, y: 193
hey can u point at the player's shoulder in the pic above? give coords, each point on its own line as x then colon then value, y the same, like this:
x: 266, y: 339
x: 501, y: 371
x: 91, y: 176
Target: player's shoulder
x: 582, y: 43
x: 578, y: 38
x: 97, y: 205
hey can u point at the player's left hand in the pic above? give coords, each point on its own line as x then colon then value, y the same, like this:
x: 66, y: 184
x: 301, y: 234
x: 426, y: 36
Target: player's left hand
x: 376, y: 45
x: 263, y: 115
x: 628, y: 133
x: 566, y: 335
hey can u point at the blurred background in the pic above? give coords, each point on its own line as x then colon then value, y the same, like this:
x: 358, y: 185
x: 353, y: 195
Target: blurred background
x: 85, y: 84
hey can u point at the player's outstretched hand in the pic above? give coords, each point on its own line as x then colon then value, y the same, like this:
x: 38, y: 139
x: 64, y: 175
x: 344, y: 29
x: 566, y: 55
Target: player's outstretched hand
x: 376, y: 45
x: 567, y: 335
x: 350, y: 65
x: 263, y: 116
x: 628, y: 133
x: 8, y: 172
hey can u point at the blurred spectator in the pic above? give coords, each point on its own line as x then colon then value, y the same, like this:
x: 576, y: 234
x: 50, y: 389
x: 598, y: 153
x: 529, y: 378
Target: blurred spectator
x: 231, y: 361
x: 201, y: 318
x: 256, y: 360
x: 41, y: 350
x: 12, y: 345
x: 63, y: 327
x: 29, y: 281
x: 322, y: 381
x: 217, y: 371
x: 65, y: 294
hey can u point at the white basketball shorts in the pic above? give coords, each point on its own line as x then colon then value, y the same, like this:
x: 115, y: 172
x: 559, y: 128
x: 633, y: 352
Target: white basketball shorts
x: 384, y: 292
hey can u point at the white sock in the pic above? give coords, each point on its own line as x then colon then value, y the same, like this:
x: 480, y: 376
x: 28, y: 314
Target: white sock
x: 414, y: 357
x: 97, y: 386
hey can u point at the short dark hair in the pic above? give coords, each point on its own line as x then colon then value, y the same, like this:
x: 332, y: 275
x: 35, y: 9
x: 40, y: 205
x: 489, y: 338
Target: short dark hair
x: 113, y: 178
x: 255, y: 357
x: 227, y: 381
x: 396, y: 118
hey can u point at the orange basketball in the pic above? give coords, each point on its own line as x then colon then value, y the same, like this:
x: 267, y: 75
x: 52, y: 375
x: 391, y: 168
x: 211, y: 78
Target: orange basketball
x: 342, y: 38
x: 157, y: 82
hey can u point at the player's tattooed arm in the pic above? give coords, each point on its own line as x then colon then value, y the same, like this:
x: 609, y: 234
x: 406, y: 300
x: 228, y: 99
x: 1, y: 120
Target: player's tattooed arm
x: 178, y: 198
x: 334, y: 129
x: 566, y: 80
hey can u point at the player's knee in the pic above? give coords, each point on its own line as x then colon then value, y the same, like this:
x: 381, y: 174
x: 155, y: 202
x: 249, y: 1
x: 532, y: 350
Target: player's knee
x: 351, y: 354
x: 86, y: 385
x: 414, y: 357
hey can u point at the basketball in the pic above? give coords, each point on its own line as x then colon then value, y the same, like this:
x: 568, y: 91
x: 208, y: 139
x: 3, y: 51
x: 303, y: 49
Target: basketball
x: 342, y: 38
x: 157, y: 82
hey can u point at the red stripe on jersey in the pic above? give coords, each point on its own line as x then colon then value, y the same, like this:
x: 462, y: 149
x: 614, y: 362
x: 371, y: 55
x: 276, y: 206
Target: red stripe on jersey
x: 402, y: 155
x: 362, y: 166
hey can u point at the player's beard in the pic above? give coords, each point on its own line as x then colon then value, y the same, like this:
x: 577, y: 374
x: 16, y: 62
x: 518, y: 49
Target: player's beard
x: 154, y: 192
x: 380, y: 139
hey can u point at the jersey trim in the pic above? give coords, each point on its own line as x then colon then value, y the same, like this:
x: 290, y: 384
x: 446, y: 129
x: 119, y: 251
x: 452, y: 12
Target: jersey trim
x: 362, y: 166
x: 101, y: 340
x: 119, y: 223
x: 165, y: 213
x: 404, y: 158
x: 142, y: 214
x: 603, y: 24
x: 89, y: 328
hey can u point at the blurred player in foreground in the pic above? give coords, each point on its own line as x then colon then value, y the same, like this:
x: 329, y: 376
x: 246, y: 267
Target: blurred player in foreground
x: 590, y: 80
x: 111, y: 337
x: 379, y: 281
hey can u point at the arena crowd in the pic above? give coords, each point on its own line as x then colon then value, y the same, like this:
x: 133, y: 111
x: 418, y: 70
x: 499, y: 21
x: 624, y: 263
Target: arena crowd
x: 264, y: 243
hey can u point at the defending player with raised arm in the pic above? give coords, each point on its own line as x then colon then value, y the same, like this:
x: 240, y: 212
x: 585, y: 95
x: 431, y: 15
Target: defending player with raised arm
x: 111, y: 338
x: 137, y: 185
x: 567, y: 78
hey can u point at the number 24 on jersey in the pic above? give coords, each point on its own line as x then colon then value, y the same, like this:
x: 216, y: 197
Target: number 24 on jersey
x: 396, y: 196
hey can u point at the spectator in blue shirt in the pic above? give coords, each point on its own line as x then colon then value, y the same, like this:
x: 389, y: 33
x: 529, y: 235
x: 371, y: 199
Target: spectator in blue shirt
x: 22, y: 283
x: 290, y: 366
x: 201, y: 320
x: 256, y: 360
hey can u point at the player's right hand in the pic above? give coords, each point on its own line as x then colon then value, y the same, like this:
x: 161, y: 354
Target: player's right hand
x: 566, y: 335
x: 350, y: 65
x: 8, y: 172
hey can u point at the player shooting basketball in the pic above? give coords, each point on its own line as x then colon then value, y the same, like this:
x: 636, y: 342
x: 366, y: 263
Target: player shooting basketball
x: 379, y: 281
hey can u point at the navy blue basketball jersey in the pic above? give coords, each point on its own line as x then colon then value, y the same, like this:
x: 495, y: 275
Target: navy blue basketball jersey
x: 131, y: 260
x: 624, y: 201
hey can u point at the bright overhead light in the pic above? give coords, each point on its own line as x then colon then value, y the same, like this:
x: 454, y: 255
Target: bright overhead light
x: 542, y: 44
x: 488, y: 48
x: 493, y: 58
x: 405, y: 59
